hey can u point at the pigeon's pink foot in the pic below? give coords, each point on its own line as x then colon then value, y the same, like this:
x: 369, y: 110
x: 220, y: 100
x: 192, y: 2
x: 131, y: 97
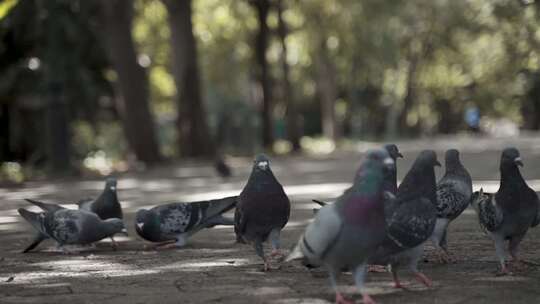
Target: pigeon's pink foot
x: 504, y: 271
x: 266, y: 266
x: 518, y: 265
x: 366, y: 299
x: 276, y: 253
x: 377, y: 268
x: 340, y: 299
x: 423, y: 279
x: 166, y: 245
x: 397, y: 283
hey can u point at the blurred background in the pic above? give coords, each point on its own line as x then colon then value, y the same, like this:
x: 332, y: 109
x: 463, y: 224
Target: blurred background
x: 110, y: 85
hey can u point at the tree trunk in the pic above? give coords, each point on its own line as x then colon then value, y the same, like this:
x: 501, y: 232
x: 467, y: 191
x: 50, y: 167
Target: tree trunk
x: 408, y: 101
x: 58, y: 139
x: 263, y: 73
x: 327, y: 91
x: 133, y: 93
x: 293, y: 132
x: 193, y: 133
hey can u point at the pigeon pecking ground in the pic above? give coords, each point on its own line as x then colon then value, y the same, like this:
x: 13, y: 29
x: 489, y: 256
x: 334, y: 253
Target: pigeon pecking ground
x: 213, y: 269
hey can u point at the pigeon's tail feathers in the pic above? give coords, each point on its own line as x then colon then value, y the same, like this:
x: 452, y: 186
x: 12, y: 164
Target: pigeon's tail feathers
x: 35, y: 219
x: 296, y: 253
x: 37, y: 239
x: 44, y: 206
x: 220, y: 206
x: 321, y: 203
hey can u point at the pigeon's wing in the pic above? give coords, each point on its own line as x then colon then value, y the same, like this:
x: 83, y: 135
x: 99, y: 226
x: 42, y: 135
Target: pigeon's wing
x: 178, y: 218
x: 411, y: 223
x: 64, y: 226
x: 322, y: 234
x: 44, y: 206
x: 450, y: 202
x: 490, y: 216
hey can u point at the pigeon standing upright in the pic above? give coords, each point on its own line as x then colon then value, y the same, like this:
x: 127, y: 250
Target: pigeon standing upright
x: 509, y: 213
x: 174, y: 223
x: 410, y: 219
x: 454, y: 192
x: 344, y: 234
x: 106, y: 206
x: 263, y: 209
x: 69, y: 227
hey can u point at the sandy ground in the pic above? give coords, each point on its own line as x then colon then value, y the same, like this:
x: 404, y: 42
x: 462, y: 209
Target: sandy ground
x: 212, y: 269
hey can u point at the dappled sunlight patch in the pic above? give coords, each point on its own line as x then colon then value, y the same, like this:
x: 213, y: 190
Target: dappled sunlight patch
x: 78, y: 268
x: 268, y: 291
x: 8, y: 219
x: 300, y: 301
x: 198, y: 264
x: 507, y: 278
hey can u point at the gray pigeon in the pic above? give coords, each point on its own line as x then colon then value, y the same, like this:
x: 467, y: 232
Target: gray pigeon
x: 410, y: 219
x: 106, y: 206
x: 263, y: 209
x: 509, y: 213
x: 68, y: 227
x: 454, y: 192
x: 176, y: 222
x: 344, y: 234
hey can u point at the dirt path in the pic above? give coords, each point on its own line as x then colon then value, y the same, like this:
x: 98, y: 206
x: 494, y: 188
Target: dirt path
x: 212, y: 269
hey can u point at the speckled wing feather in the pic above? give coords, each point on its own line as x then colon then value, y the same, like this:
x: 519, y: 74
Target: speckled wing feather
x: 450, y: 203
x: 490, y: 216
x: 411, y: 223
x: 64, y: 226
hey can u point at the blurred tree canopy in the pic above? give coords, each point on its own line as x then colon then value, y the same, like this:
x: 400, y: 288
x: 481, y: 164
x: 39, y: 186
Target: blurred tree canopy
x: 205, y: 77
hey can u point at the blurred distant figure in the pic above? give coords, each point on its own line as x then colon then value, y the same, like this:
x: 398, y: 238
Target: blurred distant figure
x: 472, y: 118
x: 222, y: 168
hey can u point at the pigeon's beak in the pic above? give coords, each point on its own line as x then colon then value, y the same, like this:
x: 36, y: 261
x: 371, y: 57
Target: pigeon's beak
x: 399, y: 155
x: 263, y: 165
x: 124, y: 231
x: 112, y: 188
x: 518, y: 161
x: 140, y: 225
x: 437, y: 163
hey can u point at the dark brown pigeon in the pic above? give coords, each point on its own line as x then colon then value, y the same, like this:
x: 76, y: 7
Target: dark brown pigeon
x: 263, y: 209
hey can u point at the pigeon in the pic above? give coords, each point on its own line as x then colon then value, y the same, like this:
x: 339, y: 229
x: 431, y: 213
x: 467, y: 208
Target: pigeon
x: 410, y: 219
x: 106, y: 206
x: 454, y: 192
x: 68, y: 227
x: 263, y: 210
x: 508, y: 214
x: 172, y: 224
x: 344, y: 234
x: 222, y: 168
